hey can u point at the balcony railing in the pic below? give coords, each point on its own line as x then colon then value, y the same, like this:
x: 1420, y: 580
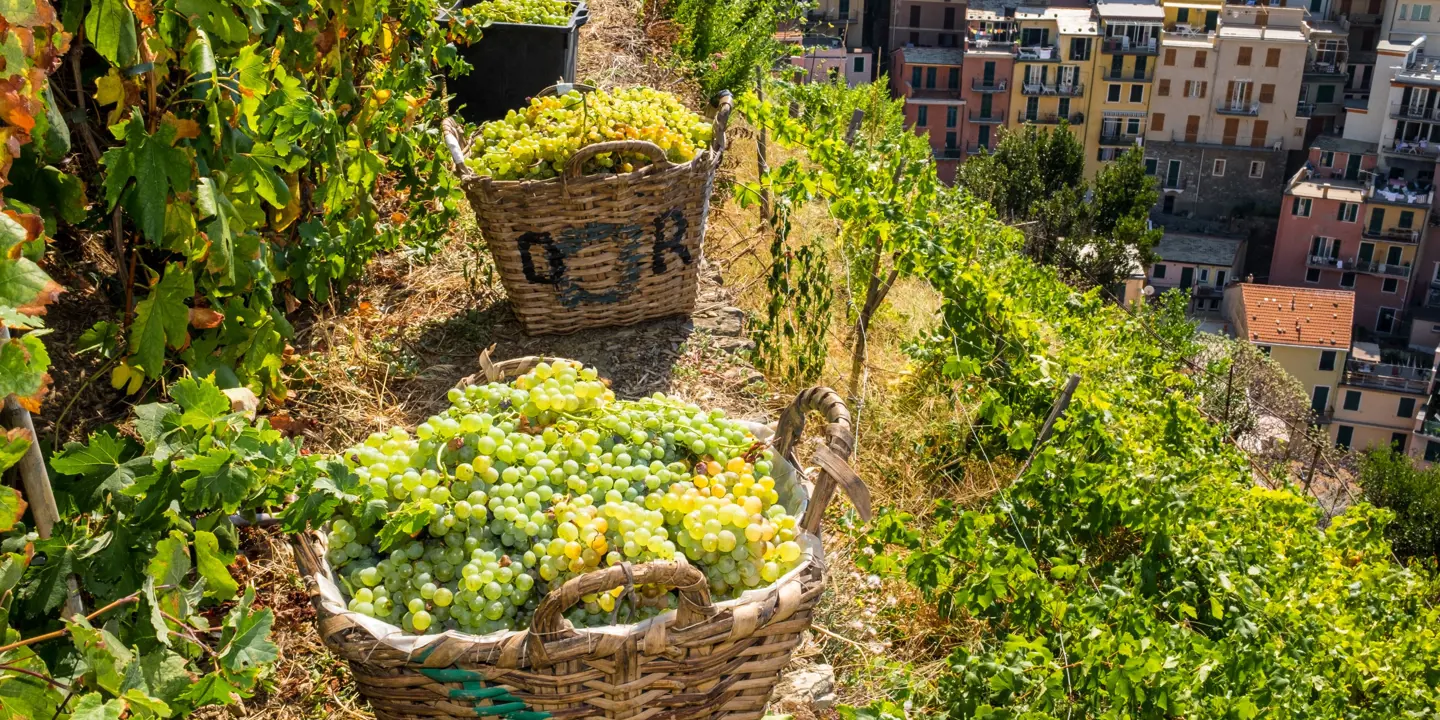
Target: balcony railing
x: 1325, y: 262
x: 1423, y: 69
x: 1401, y: 111
x: 832, y: 15
x: 1038, y: 118
x: 1120, y: 138
x: 994, y: 118
x: 1370, y: 267
x: 1410, y: 148
x: 1123, y: 46
x: 1271, y: 143
x: 1187, y: 30
x: 1408, y: 236
x: 1177, y: 185
x: 1336, y: 69
x: 1398, y: 378
x: 1402, y: 194
x: 1305, y: 110
x: 935, y: 93
x: 1231, y: 107
x: 1038, y: 52
x: 975, y: 149
x: 1114, y: 75
x: 994, y: 86
x: 1071, y: 90
x: 951, y: 153
x: 988, y: 45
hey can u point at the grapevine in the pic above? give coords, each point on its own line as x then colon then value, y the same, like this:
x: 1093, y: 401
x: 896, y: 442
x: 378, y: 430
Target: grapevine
x: 517, y: 488
x: 534, y: 143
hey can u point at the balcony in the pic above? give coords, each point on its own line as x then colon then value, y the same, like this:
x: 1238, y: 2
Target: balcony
x: 940, y: 94
x: 1120, y: 139
x: 1124, y: 46
x: 1231, y: 107
x: 832, y: 15
x: 1407, y: 236
x: 1401, y: 193
x: 983, y: 45
x: 1038, y: 118
x: 1324, y: 70
x: 1187, y: 31
x: 1176, y: 185
x: 1423, y: 70
x: 975, y: 149
x: 1397, y: 378
x: 994, y: 118
x: 1273, y: 144
x: 1410, y: 149
x: 993, y: 86
x: 949, y: 153
x: 1322, y: 418
x: 1370, y: 267
x: 1305, y: 110
x: 1071, y: 90
x: 1401, y: 111
x: 1325, y: 262
x: 1114, y: 75
x: 1359, y: 18
x: 1038, y: 52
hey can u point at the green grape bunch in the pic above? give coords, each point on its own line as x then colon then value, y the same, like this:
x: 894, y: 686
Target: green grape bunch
x: 518, y: 487
x: 526, y: 12
x: 535, y: 142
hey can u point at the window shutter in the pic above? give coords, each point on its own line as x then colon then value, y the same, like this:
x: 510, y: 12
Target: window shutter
x: 1267, y: 93
x: 1341, y: 216
x: 1199, y: 58
x: 1272, y: 57
x: 1229, y: 91
x: 1169, y: 56
x: 1164, y: 89
x: 1257, y: 138
x: 1157, y: 122
x: 1204, y: 84
x: 1244, y: 57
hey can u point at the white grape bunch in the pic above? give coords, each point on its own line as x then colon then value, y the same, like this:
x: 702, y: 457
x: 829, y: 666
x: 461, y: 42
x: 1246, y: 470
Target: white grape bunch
x: 518, y: 487
x: 528, y: 12
x: 534, y: 143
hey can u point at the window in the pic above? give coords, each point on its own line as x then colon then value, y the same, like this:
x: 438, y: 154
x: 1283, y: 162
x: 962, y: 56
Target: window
x: 860, y: 64
x: 1320, y: 399
x: 1327, y: 359
x: 1170, y: 55
x: 1406, y: 408
x: 1347, y: 280
x: 1137, y: 93
x: 1390, y: 285
x: 954, y: 79
x: 1344, y: 434
x: 1267, y: 93
x: 1199, y: 58
x: 1325, y: 94
x: 950, y: 140
x: 1301, y: 207
x: 1218, y: 169
x: 1159, y: 272
x: 1421, y: 13
x: 1244, y: 56
x: 930, y: 77
x: 1348, y: 212
x: 1312, y: 275
x: 1397, y: 442
x: 1132, y: 126
x: 1164, y: 89
x: 1157, y: 122
x: 1064, y: 108
x: 1352, y: 400
x: 1407, y: 219
x: 1113, y: 94
x: 915, y: 78
x: 1195, y: 88
x: 1327, y: 159
x: 1264, y: 350
x: 922, y: 115
x: 1272, y: 57
x: 1401, y: 15
x: 1080, y: 48
x: 1219, y: 282
x: 1204, y: 275
x: 1432, y: 451
x: 1257, y: 168
x: 952, y: 115
x: 1152, y: 165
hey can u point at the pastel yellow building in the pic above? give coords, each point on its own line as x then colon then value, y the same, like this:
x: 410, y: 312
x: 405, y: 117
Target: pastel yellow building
x: 1380, y: 402
x: 1304, y: 330
x: 1054, y: 65
x: 1124, y: 76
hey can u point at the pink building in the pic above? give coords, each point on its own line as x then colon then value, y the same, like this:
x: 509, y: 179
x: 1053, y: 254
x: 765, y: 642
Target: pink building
x: 985, y: 78
x: 1347, y: 223
x: 928, y: 78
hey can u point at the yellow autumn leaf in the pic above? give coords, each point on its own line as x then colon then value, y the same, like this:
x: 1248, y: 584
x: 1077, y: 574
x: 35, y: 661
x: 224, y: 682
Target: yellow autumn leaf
x: 110, y: 90
x: 127, y: 377
x: 282, y: 218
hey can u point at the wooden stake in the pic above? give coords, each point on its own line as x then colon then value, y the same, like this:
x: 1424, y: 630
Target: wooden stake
x: 1061, y: 403
x: 762, y: 163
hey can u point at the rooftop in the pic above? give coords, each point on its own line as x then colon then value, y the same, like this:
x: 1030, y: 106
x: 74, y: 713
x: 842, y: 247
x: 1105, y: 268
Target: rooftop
x: 1255, y: 32
x: 1198, y: 249
x: 1336, y: 143
x: 933, y: 55
x: 1275, y: 315
x: 1130, y: 11
x: 1071, y: 21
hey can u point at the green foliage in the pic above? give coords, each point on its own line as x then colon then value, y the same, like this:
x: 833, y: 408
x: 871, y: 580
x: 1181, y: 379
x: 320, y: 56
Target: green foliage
x: 723, y: 42
x: 1390, y: 480
x: 146, y: 532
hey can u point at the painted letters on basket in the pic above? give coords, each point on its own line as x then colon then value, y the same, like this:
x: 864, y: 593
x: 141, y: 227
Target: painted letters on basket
x: 632, y: 249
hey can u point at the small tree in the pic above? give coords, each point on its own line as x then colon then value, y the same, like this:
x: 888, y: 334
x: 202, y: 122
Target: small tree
x: 1391, y: 480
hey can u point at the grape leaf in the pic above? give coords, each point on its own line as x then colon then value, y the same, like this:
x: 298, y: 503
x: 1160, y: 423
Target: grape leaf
x: 145, y: 707
x: 153, y: 420
x: 162, y: 319
x: 48, y: 589
x: 109, y: 461
x: 244, y: 639
x: 105, y: 656
x: 212, y: 563
x: 219, y: 480
x: 165, y: 675
x: 156, y: 165
x: 110, y: 28
x: 336, y: 485
x: 23, y: 697
x: 23, y: 365
x: 93, y: 707
x: 406, y: 522
x: 211, y: 689
x: 13, y: 446
x: 202, y: 402
x: 217, y: 18
x: 171, y: 562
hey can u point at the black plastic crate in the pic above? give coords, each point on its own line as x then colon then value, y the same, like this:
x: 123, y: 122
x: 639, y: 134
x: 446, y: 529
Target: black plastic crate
x: 512, y: 62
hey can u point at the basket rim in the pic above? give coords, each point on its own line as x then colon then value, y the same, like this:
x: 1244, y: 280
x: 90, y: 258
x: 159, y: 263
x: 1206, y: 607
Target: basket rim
x: 708, y: 155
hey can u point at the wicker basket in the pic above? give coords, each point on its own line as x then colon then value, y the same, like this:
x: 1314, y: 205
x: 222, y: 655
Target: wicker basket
x: 577, y: 251
x: 703, y: 661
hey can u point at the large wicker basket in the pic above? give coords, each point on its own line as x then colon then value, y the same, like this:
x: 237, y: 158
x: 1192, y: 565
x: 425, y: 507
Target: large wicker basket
x: 703, y: 661
x: 581, y: 251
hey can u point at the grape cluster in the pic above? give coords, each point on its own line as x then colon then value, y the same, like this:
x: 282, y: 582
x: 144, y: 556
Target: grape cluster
x: 535, y: 142
x: 537, y: 481
x: 529, y: 12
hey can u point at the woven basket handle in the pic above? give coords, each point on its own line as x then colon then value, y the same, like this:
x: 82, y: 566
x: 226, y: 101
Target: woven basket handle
x: 453, y: 134
x: 549, y: 626
x: 726, y: 101
x: 833, y: 458
x: 491, y: 371
x: 576, y: 163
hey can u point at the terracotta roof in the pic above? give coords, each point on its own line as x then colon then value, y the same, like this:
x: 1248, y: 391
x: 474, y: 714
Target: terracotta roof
x: 1276, y: 315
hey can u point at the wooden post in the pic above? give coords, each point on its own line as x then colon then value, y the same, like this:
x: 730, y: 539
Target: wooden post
x: 762, y: 162
x: 36, y: 482
x: 1061, y: 403
x: 1310, y: 476
x: 1229, y: 380
x: 854, y: 126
